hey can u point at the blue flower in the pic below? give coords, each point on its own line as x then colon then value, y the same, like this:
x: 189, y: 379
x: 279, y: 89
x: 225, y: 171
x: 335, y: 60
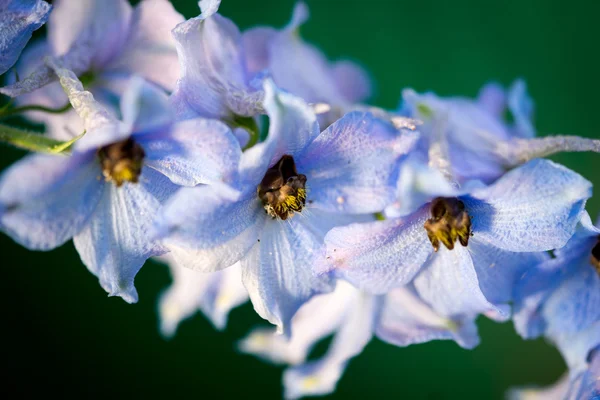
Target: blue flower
x: 400, y: 317
x: 291, y: 189
x: 18, y: 20
x: 582, y: 385
x: 560, y: 298
x: 464, y: 252
x: 214, y: 294
x: 469, y: 139
x: 105, y: 42
x: 107, y: 192
x: 302, y: 69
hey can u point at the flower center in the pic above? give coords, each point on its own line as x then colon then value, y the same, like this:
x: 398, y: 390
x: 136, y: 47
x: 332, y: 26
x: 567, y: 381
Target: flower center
x: 121, y: 161
x: 596, y: 256
x: 282, y: 190
x: 449, y: 222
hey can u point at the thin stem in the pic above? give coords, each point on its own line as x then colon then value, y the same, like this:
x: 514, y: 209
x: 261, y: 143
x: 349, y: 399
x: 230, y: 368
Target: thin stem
x: 518, y: 151
x: 34, y: 107
x: 34, y: 141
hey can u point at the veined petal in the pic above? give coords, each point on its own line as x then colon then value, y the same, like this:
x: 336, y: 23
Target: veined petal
x: 213, y: 81
x: 315, y: 320
x: 45, y: 200
x: 277, y: 273
x: 321, y: 376
x: 450, y: 285
x: 149, y: 50
x: 353, y: 165
x: 532, y: 208
x: 406, y: 319
x: 209, y: 228
x: 18, y: 20
x: 194, y: 151
x: 215, y: 294
x: 377, y: 256
x: 116, y: 242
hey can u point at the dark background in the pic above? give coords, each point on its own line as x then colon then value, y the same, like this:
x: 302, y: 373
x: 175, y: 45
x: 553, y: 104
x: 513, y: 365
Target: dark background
x: 61, y: 335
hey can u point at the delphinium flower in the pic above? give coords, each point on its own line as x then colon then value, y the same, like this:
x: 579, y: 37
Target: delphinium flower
x: 18, y: 20
x: 291, y: 189
x: 473, y: 138
x: 214, y: 294
x: 400, y: 317
x: 560, y: 299
x: 107, y: 192
x: 105, y: 42
x: 583, y: 385
x: 464, y: 250
x: 302, y: 69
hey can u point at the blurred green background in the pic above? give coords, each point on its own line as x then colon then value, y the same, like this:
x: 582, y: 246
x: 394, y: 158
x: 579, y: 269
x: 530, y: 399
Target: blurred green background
x: 61, y: 335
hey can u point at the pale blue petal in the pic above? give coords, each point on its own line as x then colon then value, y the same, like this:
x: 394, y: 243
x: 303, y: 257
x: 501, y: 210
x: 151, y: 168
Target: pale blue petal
x: 450, y: 285
x: 353, y: 81
x: 256, y: 47
x: 18, y: 20
x: 277, y: 273
x: 321, y: 376
x: 149, y: 50
x: 377, y: 256
x: 577, y: 348
x: 406, y: 319
x: 353, y: 165
x: 315, y: 320
x: 556, y: 391
x: 535, y: 207
x: 116, y: 242
x: 45, y: 199
x: 209, y: 228
x: 213, y: 80
x: 521, y: 107
x: 145, y: 107
x: 492, y: 97
x: 194, y: 151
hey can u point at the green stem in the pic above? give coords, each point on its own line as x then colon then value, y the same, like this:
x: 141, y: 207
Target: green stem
x: 34, y: 107
x: 250, y: 125
x: 34, y: 141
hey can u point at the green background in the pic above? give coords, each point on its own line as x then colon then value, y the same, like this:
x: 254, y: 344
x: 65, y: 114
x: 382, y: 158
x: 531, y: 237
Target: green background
x: 61, y: 335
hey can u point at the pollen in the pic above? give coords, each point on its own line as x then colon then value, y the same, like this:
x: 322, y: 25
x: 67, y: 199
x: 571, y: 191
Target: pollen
x: 121, y: 162
x: 283, y: 190
x: 449, y: 222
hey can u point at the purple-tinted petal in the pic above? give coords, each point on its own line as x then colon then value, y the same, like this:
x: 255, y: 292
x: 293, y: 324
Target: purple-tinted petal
x: 256, y: 46
x: 535, y: 207
x: 449, y: 283
x: 116, y: 242
x: 18, y: 20
x: 353, y: 165
x: 194, y: 151
x: 149, y: 50
x: 492, y: 97
x: 521, y: 107
x: 353, y: 82
x: 45, y: 200
x: 406, y: 319
x: 380, y: 255
x: 213, y: 80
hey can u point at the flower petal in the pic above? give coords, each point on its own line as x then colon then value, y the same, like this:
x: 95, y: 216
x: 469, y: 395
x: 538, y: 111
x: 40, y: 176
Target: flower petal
x: 145, y: 107
x: 209, y: 228
x: 521, y: 107
x: 46, y: 200
x: 213, y: 81
x: 149, y: 50
x: 277, y: 272
x: 377, y: 256
x: 352, y: 166
x: 532, y: 208
x: 256, y: 45
x: 315, y: 320
x: 18, y: 20
x: 215, y: 294
x: 406, y: 319
x: 353, y: 82
x: 194, y: 151
x: 115, y: 243
x: 321, y: 376
x: 450, y: 285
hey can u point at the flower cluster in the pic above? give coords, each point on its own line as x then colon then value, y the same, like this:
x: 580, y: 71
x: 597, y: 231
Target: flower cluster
x: 251, y: 165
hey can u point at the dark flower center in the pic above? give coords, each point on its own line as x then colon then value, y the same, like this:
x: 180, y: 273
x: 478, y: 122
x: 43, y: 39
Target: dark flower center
x: 449, y: 222
x: 121, y: 161
x: 282, y: 190
x: 596, y: 256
